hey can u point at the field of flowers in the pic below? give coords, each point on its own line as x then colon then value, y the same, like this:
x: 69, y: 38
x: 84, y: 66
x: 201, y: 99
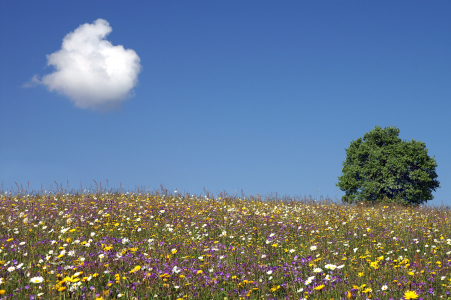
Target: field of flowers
x: 154, y: 246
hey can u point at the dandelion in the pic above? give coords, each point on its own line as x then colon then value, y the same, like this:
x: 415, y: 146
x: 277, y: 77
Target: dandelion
x: 410, y: 295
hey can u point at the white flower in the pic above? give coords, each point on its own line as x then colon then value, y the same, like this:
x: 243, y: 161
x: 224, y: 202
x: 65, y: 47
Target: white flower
x: 330, y: 267
x: 317, y: 270
x: 309, y: 280
x: 291, y: 250
x: 38, y: 279
x: 175, y: 269
x: 269, y: 272
x: 93, y: 233
x: 101, y: 256
x: 384, y: 287
x: 355, y: 250
x: 10, y: 269
x: 312, y: 248
x: 263, y: 255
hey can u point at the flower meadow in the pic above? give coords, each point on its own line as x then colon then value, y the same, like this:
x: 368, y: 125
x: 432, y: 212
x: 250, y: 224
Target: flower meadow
x: 172, y: 246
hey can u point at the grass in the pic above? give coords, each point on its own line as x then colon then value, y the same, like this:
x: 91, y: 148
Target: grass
x: 165, y: 246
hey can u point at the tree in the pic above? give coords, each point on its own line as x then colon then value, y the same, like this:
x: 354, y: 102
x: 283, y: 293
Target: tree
x: 382, y: 166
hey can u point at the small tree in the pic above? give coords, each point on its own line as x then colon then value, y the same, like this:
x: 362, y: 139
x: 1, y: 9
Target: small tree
x: 382, y: 166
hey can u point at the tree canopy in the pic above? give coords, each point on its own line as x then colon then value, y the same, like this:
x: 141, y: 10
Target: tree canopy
x: 382, y: 166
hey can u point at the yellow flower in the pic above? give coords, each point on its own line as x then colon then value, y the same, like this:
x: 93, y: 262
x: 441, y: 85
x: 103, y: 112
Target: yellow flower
x: 275, y: 288
x: 199, y: 272
x: 2, y: 292
x: 318, y: 288
x: 410, y: 295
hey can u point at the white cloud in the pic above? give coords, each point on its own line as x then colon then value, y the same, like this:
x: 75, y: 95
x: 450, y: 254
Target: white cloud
x: 90, y: 70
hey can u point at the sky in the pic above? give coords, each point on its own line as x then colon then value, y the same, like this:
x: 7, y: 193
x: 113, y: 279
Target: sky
x: 253, y: 97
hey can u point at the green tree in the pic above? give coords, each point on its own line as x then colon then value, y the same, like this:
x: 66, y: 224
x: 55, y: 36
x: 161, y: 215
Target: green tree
x: 382, y: 167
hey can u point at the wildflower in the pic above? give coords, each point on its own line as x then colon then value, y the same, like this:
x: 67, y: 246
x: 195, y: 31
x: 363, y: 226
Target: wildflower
x: 410, y: 295
x: 330, y: 266
x: 318, y: 288
x: 317, y: 270
x: 37, y: 279
x: 309, y: 280
x: 384, y: 287
x: 312, y: 248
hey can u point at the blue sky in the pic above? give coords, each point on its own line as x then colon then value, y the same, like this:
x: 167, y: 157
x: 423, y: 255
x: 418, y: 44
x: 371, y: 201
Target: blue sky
x: 259, y: 96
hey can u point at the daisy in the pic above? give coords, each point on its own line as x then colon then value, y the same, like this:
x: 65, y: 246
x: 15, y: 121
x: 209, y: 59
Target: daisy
x: 37, y: 279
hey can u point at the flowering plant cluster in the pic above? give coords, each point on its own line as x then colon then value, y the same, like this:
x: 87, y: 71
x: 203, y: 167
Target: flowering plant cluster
x: 152, y: 246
